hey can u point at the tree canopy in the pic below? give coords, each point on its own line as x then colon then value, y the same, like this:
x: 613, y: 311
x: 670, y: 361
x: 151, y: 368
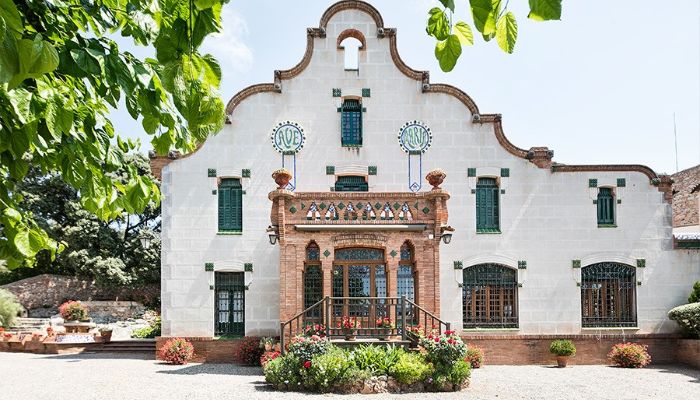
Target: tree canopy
x: 60, y: 71
x: 491, y: 18
x: 109, y: 253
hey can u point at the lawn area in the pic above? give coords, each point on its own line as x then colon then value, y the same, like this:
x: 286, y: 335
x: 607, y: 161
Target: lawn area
x: 107, y: 376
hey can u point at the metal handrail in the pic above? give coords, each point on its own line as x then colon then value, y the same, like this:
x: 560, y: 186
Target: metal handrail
x: 374, y: 306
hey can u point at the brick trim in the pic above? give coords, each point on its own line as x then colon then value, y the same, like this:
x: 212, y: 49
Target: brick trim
x: 353, y: 33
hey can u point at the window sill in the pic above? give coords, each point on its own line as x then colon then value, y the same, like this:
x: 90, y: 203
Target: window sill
x: 607, y: 225
x: 471, y: 330
x: 229, y: 233
x: 488, y: 231
x: 611, y: 328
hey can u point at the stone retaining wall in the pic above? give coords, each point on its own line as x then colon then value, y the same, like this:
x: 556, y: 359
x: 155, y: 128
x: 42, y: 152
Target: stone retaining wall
x: 42, y: 294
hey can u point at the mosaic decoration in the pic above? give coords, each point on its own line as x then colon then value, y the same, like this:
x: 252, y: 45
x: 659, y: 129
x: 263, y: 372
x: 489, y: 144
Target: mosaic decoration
x: 405, y: 213
x: 211, y: 172
x: 288, y: 138
x: 313, y: 212
x: 332, y: 212
x: 350, y: 212
x: 415, y: 138
x: 393, y: 253
x: 368, y: 212
x: 248, y: 267
x: 387, y: 212
x: 359, y: 254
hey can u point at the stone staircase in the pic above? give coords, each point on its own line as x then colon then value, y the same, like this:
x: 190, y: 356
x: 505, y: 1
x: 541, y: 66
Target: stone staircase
x: 29, y: 325
x: 129, y: 346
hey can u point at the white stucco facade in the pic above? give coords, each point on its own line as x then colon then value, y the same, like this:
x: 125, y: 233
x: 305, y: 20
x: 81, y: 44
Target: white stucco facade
x: 547, y: 219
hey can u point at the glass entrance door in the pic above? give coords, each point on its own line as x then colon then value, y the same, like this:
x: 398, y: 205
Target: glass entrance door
x: 359, y: 273
x: 229, y: 304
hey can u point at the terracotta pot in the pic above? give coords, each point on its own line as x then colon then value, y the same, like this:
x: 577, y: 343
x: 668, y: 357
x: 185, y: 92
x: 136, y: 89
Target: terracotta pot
x: 282, y: 178
x: 561, y: 361
x: 106, y: 336
x: 350, y: 334
x: 435, y: 178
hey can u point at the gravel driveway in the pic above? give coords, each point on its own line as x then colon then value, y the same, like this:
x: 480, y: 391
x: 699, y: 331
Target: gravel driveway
x: 107, y: 376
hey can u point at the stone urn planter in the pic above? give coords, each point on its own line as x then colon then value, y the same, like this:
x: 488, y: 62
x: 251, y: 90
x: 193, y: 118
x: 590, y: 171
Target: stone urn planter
x: 435, y: 178
x: 282, y: 177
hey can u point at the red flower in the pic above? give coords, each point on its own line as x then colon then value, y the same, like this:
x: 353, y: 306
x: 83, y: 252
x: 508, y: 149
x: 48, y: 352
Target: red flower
x: 451, y: 341
x: 448, y: 332
x: 437, y: 340
x: 307, y: 364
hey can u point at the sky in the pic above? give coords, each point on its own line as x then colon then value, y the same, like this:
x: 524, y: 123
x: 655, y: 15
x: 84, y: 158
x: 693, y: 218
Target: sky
x: 601, y: 86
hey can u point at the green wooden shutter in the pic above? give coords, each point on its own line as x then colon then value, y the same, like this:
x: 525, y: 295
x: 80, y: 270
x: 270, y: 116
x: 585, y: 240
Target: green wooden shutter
x: 487, y: 212
x: 230, y: 205
x: 351, y: 184
x: 351, y: 123
x: 606, y: 207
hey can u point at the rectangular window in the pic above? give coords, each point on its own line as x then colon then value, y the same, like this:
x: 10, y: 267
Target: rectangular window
x: 351, y: 123
x: 230, y: 205
x: 229, y: 298
x: 351, y: 184
x: 487, y: 212
x: 606, y: 207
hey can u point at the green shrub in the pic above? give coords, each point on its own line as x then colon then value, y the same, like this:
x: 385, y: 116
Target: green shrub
x: 9, y: 308
x: 445, y: 349
x: 460, y: 372
x: 284, y: 372
x: 410, y: 368
x: 148, y: 332
x: 305, y: 348
x: 354, y: 375
x: 562, y: 348
x: 629, y: 355
x: 326, y: 370
x: 688, y: 317
x: 377, y: 359
x: 695, y: 294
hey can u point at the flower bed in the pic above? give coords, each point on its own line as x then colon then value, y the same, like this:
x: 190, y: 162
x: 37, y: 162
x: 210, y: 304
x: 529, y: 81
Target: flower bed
x: 313, y: 364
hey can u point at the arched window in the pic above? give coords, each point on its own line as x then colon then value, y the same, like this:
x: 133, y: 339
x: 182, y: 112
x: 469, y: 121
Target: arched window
x: 351, y: 47
x: 405, y: 279
x: 313, y: 280
x: 608, y: 295
x: 487, y: 212
x: 490, y: 297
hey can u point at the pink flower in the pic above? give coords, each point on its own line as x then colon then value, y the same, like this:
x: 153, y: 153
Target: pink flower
x: 307, y: 364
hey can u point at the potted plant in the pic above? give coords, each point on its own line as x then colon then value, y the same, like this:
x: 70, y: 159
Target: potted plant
x: 315, y: 329
x: 414, y: 334
x: 563, y: 349
x: 349, y: 326
x: 385, y: 326
x: 106, y: 333
x: 267, y: 343
x: 475, y: 356
x: 73, y: 311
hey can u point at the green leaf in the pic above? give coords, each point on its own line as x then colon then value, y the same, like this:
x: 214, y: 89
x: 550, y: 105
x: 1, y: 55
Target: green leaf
x: 12, y: 214
x: 545, y: 10
x: 438, y: 25
x: 204, y: 4
x: 464, y: 33
x: 3, y: 28
x: 86, y: 62
x: 447, y: 52
x: 9, y: 65
x: 485, y: 13
x: 9, y: 13
x: 507, y: 32
x: 449, y: 4
x: 22, y: 245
